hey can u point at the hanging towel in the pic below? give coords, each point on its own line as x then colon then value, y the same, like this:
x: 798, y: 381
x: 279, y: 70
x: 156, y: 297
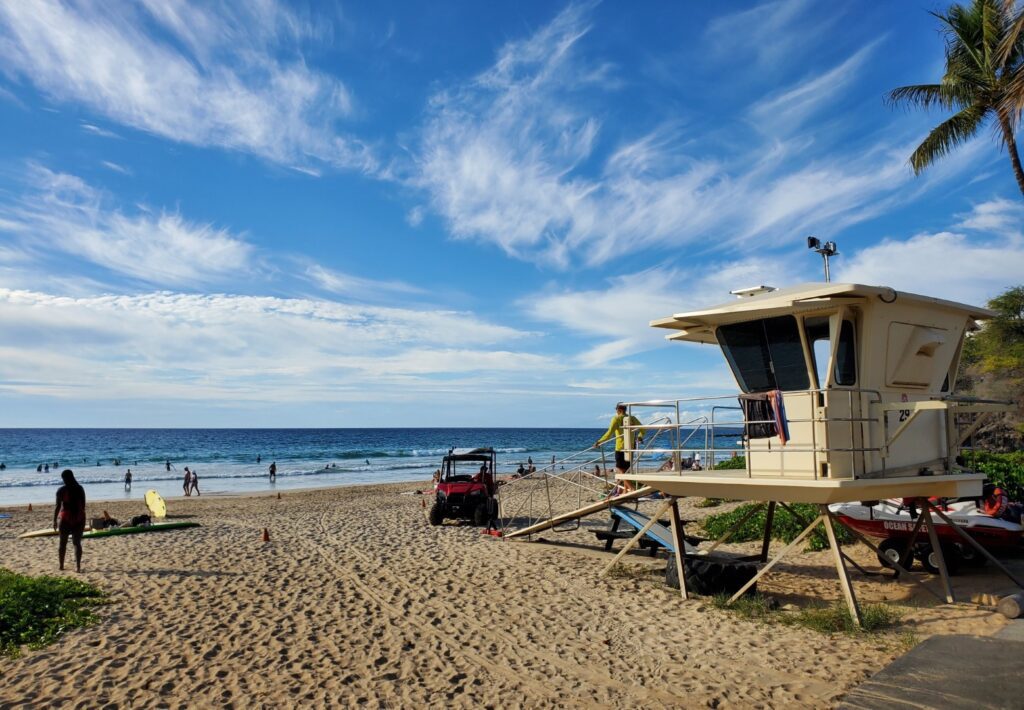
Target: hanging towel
x: 758, y: 416
x: 779, y: 413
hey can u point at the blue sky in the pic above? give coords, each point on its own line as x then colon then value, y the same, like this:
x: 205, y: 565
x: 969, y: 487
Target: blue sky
x: 448, y: 214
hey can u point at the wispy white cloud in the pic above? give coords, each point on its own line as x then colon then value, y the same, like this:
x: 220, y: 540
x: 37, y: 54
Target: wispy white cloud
x: 65, y: 214
x: 360, y: 287
x: 227, y: 74
x: 187, y: 346
x: 617, y: 315
x: 514, y: 159
x: 999, y: 216
x: 784, y: 111
x: 764, y: 32
x: 971, y: 267
x: 109, y: 165
x: 97, y: 131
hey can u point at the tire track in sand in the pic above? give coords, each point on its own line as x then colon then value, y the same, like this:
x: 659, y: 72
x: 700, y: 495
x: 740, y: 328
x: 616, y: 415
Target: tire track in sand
x: 457, y: 631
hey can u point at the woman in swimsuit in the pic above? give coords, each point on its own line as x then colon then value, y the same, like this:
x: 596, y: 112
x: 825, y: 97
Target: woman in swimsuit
x: 69, y: 517
x: 188, y: 482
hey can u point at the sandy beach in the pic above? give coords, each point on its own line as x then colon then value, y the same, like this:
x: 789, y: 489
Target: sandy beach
x: 357, y: 600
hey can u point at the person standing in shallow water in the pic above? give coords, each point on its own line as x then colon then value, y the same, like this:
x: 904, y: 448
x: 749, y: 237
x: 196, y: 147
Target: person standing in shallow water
x: 128, y: 480
x: 273, y: 471
x: 187, y: 483
x: 69, y: 517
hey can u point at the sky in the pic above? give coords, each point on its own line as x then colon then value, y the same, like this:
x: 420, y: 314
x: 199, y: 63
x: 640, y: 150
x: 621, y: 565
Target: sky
x: 265, y: 214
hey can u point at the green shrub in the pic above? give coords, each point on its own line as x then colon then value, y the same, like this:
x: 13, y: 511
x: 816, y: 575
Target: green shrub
x: 709, y: 502
x: 731, y: 463
x: 35, y: 611
x: 1005, y: 470
x: 829, y: 619
x: 784, y: 527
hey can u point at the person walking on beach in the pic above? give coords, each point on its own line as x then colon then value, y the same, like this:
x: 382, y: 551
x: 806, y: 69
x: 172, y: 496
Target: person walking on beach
x: 615, y: 428
x: 187, y: 482
x: 273, y: 471
x: 69, y: 517
x: 128, y: 480
x: 194, y: 485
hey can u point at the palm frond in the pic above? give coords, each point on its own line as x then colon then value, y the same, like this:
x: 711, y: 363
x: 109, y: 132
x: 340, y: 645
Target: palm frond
x: 1011, y: 48
x: 963, y: 35
x: 949, y: 134
x: 928, y: 95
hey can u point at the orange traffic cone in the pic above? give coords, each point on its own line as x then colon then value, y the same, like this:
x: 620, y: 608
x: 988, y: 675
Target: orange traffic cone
x: 423, y: 502
x: 266, y: 535
x: 30, y: 507
x: 279, y: 495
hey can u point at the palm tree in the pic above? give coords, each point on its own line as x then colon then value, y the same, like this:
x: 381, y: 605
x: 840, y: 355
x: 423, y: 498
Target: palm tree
x: 1014, y: 103
x: 984, y: 69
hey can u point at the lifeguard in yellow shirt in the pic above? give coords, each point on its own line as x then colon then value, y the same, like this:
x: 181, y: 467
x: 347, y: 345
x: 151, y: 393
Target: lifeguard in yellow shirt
x: 620, y: 420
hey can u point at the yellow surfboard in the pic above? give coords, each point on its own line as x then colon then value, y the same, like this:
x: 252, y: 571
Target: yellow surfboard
x: 156, y: 504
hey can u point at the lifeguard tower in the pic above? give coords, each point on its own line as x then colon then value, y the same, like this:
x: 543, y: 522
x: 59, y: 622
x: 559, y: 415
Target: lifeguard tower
x: 847, y: 394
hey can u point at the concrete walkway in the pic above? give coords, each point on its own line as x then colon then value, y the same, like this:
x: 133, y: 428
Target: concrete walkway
x: 950, y: 672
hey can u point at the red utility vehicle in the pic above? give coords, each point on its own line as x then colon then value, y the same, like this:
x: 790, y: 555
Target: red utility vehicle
x: 467, y: 489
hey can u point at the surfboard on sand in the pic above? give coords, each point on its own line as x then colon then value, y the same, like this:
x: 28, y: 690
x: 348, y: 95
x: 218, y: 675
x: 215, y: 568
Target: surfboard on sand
x: 45, y: 532
x: 136, y: 529
x: 155, y: 503
x: 111, y: 532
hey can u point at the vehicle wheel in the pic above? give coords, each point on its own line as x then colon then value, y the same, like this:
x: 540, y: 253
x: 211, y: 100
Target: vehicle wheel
x: 436, y: 515
x: 891, y: 550
x: 711, y: 576
x: 930, y: 561
x: 480, y: 515
x: 971, y: 557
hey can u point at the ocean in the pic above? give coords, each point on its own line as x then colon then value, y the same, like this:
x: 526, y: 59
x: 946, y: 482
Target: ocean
x: 226, y: 459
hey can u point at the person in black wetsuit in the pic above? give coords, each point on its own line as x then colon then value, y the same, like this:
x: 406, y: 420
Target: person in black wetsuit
x: 69, y: 517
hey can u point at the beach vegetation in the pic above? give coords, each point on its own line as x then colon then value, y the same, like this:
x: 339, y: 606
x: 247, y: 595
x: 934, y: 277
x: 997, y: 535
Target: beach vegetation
x: 829, y: 619
x: 36, y: 611
x: 992, y: 367
x: 709, y: 502
x: 982, y: 82
x: 1006, y: 470
x: 732, y: 463
x: 785, y: 526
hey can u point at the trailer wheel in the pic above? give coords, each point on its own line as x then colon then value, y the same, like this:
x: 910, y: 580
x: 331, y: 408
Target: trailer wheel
x: 892, y: 550
x: 970, y: 556
x: 708, y: 576
x: 930, y: 562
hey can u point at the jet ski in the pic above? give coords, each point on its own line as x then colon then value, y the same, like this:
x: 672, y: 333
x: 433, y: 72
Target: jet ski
x: 992, y: 521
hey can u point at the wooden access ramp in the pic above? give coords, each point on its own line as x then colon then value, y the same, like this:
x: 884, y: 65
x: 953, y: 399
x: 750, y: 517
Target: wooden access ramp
x: 582, y: 512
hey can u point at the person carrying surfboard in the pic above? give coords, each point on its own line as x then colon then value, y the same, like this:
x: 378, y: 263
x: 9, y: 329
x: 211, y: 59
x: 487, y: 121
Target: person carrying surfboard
x: 69, y: 517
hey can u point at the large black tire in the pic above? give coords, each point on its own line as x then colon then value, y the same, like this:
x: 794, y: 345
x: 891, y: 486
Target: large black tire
x: 708, y: 576
x: 971, y: 557
x: 436, y: 515
x: 480, y: 515
x: 893, y: 550
x: 930, y: 563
